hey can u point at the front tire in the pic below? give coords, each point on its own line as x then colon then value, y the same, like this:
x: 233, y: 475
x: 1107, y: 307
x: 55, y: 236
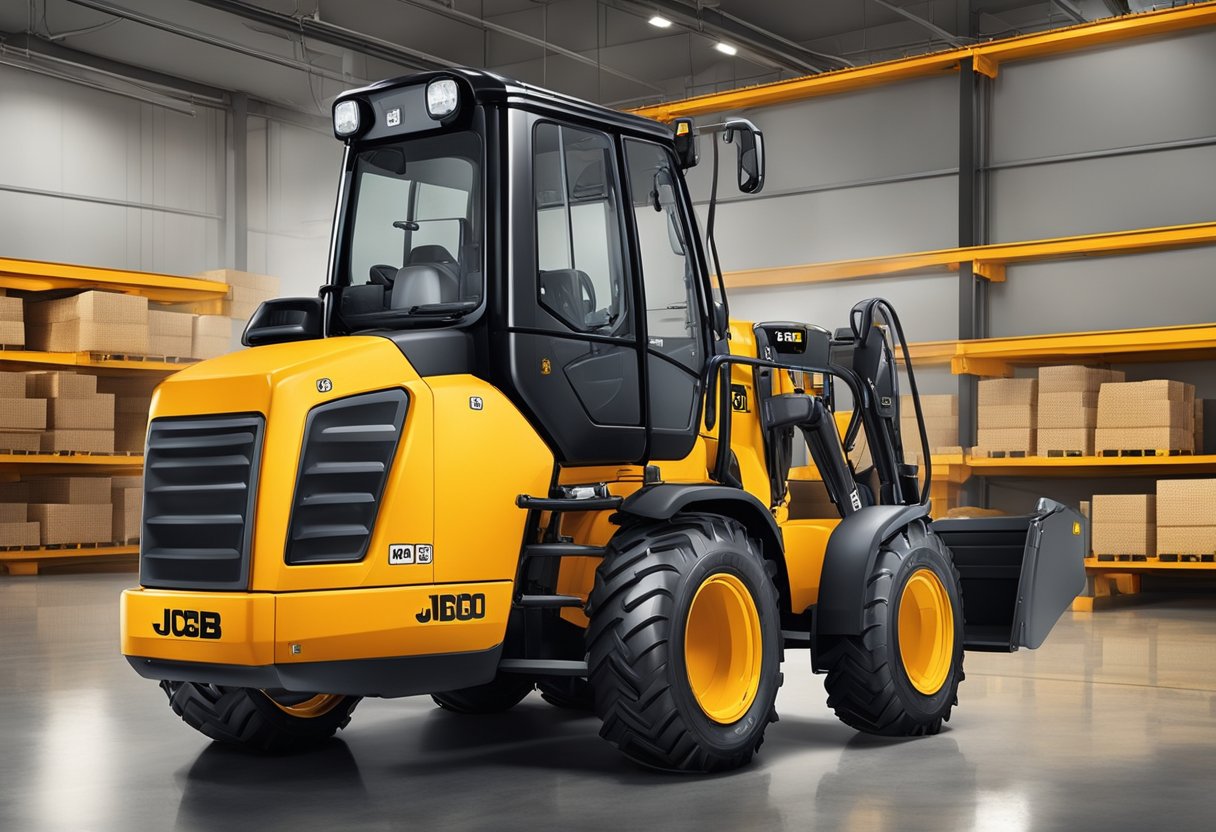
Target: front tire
x: 502, y: 693
x: 899, y: 677
x: 685, y: 644
x: 272, y: 722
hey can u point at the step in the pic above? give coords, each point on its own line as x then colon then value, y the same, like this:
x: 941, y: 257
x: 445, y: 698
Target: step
x: 544, y: 602
x: 563, y: 550
x: 543, y: 667
x: 566, y: 504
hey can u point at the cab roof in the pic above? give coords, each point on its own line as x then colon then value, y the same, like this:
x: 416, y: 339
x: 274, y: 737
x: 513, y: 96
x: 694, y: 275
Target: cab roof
x: 491, y: 88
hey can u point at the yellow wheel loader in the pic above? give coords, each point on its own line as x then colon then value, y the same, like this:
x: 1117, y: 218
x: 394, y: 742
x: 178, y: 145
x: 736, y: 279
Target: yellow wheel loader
x: 516, y: 442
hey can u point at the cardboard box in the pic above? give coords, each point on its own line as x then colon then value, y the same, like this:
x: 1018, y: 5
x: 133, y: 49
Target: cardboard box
x: 19, y: 533
x: 247, y: 291
x: 1186, y: 502
x: 938, y: 406
x: 12, y: 385
x: 1084, y: 509
x: 998, y: 391
x: 14, y: 492
x: 1200, y: 445
x: 212, y: 336
x: 12, y: 512
x: 1074, y: 378
x: 135, y: 385
x: 128, y: 508
x: 65, y: 523
x: 1065, y: 439
x: 1186, y: 540
x: 1128, y: 392
x: 1137, y: 509
x: 1006, y: 439
x: 1123, y: 539
x: 995, y: 416
x: 131, y: 431
x: 170, y: 333
x: 23, y: 414
x: 89, y: 322
x: 12, y: 326
x: 135, y: 481
x: 1067, y: 410
x: 76, y: 490
x: 1148, y: 413
x: 60, y: 385
x: 83, y: 413
x: 29, y: 441
x: 92, y: 441
x: 1143, y: 439
x: 251, y: 280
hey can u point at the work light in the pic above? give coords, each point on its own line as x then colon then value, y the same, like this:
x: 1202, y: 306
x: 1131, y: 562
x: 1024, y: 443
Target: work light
x: 346, y: 118
x: 442, y: 98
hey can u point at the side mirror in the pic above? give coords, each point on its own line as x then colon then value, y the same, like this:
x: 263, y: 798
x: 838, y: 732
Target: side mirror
x: 750, y: 142
x: 687, y: 151
x: 721, y: 323
x: 284, y: 319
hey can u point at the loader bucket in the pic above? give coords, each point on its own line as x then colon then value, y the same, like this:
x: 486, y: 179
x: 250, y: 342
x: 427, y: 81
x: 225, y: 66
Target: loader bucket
x: 1018, y: 574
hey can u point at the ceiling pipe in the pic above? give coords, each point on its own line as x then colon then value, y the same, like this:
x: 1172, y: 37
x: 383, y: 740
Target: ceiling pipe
x: 738, y: 32
x: 943, y: 34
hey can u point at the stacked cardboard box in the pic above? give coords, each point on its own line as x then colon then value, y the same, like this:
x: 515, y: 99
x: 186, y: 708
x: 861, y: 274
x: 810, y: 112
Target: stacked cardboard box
x: 1186, y: 517
x: 1200, y: 446
x: 1124, y: 524
x: 126, y: 495
x: 246, y: 292
x: 1146, y: 415
x: 12, y: 322
x: 71, y: 509
x: 88, y: 322
x: 22, y: 419
x: 212, y: 336
x: 1068, y: 408
x: 170, y: 333
x: 941, y: 423
x: 79, y: 418
x: 1006, y: 416
x: 15, y: 528
x: 133, y: 400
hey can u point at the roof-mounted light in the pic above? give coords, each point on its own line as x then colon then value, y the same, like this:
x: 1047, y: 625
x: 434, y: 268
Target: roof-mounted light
x: 442, y: 98
x: 346, y: 118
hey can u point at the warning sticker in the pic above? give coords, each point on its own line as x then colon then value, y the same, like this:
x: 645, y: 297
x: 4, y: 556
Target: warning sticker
x: 406, y: 554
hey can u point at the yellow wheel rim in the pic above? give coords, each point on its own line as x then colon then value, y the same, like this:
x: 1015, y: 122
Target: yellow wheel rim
x: 722, y: 648
x: 926, y: 631
x: 319, y: 705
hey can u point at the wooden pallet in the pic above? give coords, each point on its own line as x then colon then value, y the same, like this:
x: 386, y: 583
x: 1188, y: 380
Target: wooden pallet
x: 79, y: 453
x: 29, y: 560
x: 1056, y: 454
x: 1144, y: 452
x: 1205, y: 558
x: 986, y: 454
x: 1123, y: 558
x: 20, y: 347
x: 121, y: 356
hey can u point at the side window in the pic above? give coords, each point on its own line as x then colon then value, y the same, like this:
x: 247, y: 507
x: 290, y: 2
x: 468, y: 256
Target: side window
x: 673, y: 324
x: 581, y: 275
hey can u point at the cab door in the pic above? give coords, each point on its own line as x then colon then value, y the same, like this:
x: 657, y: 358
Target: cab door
x: 572, y: 338
x: 674, y: 297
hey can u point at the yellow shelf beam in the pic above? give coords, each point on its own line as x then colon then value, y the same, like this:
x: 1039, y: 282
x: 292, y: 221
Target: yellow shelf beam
x: 986, y: 58
x: 32, y: 358
x: 14, y: 465
x: 997, y: 357
x: 1092, y: 466
x: 39, y: 276
x: 987, y: 261
x: 28, y: 561
x: 1095, y: 565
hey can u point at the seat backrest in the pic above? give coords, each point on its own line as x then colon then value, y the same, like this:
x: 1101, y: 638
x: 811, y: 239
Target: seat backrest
x: 423, y: 284
x: 561, y: 293
x: 383, y: 274
x: 430, y: 254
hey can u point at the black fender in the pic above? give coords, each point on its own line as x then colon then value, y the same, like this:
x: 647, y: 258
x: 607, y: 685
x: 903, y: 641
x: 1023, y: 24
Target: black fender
x: 665, y: 500
x: 847, y: 563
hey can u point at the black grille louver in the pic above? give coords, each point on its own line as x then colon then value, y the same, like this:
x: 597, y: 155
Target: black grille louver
x: 348, y: 451
x: 200, y: 479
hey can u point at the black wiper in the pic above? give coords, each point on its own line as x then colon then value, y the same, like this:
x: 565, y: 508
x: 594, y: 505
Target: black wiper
x: 455, y: 309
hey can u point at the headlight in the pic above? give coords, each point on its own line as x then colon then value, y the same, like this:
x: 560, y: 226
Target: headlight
x: 442, y: 98
x: 346, y: 118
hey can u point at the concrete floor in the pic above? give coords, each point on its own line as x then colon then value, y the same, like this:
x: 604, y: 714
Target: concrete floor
x: 1112, y: 725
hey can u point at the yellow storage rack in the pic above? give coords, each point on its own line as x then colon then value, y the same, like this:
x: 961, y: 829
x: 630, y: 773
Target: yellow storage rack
x: 35, y: 276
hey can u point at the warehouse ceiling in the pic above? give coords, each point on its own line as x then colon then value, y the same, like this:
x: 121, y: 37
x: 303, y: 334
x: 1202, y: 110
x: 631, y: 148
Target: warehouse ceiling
x: 298, y: 54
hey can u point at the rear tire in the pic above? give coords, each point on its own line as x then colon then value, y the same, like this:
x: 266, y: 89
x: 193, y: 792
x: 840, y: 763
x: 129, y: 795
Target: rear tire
x: 500, y: 694
x: 253, y: 719
x: 685, y: 644
x: 901, y: 684
x: 571, y: 693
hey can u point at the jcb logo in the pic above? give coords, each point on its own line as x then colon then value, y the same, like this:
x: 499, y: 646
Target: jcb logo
x: 463, y: 607
x: 189, y: 624
x: 789, y: 336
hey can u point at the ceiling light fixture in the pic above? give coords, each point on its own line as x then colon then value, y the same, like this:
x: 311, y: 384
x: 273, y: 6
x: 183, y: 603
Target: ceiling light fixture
x: 725, y: 48
x: 660, y: 22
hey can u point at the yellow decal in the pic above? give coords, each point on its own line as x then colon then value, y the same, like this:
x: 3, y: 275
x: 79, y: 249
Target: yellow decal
x: 1076, y: 528
x: 546, y: 366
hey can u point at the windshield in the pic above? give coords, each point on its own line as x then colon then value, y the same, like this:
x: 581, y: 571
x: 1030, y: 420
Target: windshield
x: 414, y: 246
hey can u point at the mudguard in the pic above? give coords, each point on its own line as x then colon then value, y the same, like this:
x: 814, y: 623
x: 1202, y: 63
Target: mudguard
x: 1019, y: 574
x: 663, y: 501
x: 848, y: 561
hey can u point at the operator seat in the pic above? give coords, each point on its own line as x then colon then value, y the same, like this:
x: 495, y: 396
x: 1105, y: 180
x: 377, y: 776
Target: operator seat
x: 430, y: 275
